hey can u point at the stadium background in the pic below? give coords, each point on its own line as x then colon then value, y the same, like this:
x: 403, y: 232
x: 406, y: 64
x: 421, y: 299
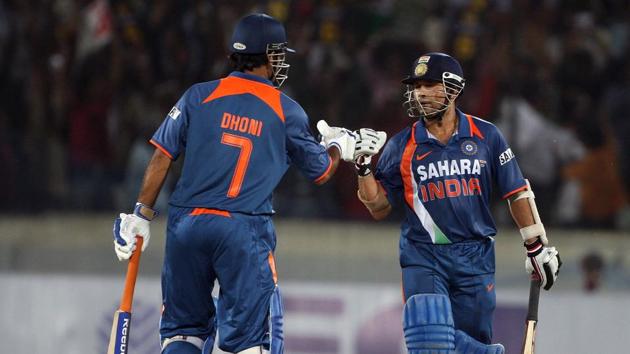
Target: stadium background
x: 84, y: 84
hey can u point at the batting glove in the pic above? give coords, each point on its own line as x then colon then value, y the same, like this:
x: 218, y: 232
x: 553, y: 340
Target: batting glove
x: 128, y: 226
x: 369, y: 143
x: 341, y: 138
x: 543, y: 262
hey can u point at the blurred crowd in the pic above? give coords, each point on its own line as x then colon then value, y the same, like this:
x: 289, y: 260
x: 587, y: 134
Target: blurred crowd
x: 84, y: 84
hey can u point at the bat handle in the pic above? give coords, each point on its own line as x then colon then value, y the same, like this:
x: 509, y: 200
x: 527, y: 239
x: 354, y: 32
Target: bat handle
x: 130, y: 278
x: 534, y: 295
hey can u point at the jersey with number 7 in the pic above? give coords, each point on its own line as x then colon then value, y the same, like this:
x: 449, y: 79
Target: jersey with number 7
x: 239, y: 135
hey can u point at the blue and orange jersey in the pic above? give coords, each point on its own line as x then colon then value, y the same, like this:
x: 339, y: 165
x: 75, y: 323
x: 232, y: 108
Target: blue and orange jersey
x: 239, y: 135
x: 445, y: 189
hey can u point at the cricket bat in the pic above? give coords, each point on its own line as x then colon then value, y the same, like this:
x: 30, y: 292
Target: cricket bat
x: 532, y: 316
x: 119, y: 338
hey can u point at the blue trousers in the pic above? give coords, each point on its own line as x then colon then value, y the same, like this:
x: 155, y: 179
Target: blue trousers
x: 203, y: 245
x: 462, y: 271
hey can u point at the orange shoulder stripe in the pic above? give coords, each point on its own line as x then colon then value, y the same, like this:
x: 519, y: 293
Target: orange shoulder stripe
x: 231, y: 85
x: 405, y: 170
x: 474, y: 131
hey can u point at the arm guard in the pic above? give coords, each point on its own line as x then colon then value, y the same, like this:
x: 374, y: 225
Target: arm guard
x: 537, y: 229
x: 378, y: 205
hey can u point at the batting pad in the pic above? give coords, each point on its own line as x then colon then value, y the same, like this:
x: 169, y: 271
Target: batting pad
x: 465, y: 344
x: 428, y: 325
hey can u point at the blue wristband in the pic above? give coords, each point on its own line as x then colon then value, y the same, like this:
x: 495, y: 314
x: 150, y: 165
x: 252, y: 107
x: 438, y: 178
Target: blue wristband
x: 145, y: 211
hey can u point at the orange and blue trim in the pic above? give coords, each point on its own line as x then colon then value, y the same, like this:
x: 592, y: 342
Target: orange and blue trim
x: 519, y: 189
x: 161, y: 148
x: 233, y: 85
x: 474, y: 130
x: 206, y: 211
x: 327, y: 172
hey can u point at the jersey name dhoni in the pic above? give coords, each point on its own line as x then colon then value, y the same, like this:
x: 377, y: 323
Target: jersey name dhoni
x: 239, y: 135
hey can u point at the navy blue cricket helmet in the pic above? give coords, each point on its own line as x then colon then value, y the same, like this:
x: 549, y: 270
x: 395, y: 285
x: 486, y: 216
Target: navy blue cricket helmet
x: 256, y: 32
x: 435, y: 67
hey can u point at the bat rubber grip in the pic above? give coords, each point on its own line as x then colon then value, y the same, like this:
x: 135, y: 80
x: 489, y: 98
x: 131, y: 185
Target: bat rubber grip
x: 130, y: 278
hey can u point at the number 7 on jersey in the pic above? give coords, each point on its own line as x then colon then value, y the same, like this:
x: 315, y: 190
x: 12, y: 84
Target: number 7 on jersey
x: 246, y: 146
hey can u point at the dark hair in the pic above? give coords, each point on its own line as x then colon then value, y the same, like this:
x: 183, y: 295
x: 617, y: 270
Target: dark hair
x: 242, y: 62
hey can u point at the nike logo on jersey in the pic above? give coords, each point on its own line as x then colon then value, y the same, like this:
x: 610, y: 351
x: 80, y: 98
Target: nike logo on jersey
x: 489, y: 287
x: 420, y: 157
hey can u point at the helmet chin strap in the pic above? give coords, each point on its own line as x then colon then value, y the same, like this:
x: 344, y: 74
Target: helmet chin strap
x: 439, y: 115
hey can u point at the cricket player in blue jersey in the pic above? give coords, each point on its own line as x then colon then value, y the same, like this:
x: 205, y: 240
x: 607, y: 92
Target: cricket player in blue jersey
x: 441, y: 169
x: 239, y: 135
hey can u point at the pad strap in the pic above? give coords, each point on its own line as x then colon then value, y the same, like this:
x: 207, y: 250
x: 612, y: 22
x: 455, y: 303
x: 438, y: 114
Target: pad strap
x: 196, y: 341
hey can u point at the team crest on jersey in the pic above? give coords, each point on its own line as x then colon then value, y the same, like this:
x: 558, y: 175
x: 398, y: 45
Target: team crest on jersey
x: 174, y: 113
x: 469, y: 147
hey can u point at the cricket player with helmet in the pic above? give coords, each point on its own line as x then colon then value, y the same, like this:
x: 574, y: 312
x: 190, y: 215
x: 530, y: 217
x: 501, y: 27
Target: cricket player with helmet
x: 239, y: 135
x: 441, y: 169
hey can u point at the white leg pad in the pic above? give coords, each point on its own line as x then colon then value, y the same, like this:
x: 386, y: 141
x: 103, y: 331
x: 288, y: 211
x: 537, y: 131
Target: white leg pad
x: 253, y: 350
x: 196, y: 341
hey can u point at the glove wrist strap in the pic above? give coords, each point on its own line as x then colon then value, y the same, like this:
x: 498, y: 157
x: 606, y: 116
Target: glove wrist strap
x: 534, y: 248
x: 363, y: 169
x: 144, y: 211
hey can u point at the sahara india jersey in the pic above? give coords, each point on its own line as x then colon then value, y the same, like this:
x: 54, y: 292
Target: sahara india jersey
x: 447, y: 188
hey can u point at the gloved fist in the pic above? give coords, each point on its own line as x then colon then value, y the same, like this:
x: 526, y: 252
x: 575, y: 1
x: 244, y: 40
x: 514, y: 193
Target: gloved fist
x: 341, y: 138
x: 543, y: 262
x: 369, y: 143
x: 128, y: 226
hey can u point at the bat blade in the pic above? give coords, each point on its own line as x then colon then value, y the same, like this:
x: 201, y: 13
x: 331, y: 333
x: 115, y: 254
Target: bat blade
x: 532, y: 317
x: 119, y: 337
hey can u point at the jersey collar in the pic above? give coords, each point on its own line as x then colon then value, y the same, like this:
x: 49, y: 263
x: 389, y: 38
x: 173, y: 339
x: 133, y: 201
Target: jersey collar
x: 420, y: 132
x: 251, y: 77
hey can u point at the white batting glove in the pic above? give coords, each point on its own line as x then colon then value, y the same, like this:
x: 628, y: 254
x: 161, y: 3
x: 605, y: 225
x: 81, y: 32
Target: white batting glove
x: 341, y: 138
x: 128, y: 226
x: 369, y: 143
x: 543, y: 262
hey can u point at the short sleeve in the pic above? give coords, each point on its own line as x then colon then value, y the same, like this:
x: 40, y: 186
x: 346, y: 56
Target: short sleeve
x: 304, y: 151
x: 170, y: 137
x: 387, y: 171
x: 508, y: 175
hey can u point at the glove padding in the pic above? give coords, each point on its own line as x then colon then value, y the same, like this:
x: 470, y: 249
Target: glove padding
x: 126, y: 228
x: 341, y: 138
x: 369, y: 143
x: 543, y: 262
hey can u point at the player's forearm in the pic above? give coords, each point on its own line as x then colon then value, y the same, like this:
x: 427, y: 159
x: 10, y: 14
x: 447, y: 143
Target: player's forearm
x: 154, y: 178
x: 372, y: 195
x: 522, y: 214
